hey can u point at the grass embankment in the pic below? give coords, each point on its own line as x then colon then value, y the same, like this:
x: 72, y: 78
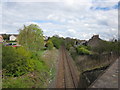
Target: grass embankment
x: 25, y: 69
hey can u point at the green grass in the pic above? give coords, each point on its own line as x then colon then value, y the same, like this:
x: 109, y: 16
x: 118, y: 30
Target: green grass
x: 18, y: 82
x: 26, y: 81
x: 41, y: 52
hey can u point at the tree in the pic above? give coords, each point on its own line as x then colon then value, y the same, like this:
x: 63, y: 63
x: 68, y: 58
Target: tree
x: 6, y: 36
x: 31, y: 37
x: 57, y: 41
x: 107, y: 47
x: 49, y: 45
x: 83, y: 50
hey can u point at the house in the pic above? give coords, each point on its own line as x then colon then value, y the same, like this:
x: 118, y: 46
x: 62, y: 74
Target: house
x: 94, y: 41
x: 1, y: 38
x: 95, y: 37
x: 12, y: 38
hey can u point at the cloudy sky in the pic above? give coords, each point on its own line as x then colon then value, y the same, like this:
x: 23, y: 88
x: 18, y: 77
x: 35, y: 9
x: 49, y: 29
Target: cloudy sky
x: 67, y: 18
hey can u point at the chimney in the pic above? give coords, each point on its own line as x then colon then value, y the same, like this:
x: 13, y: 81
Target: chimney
x: 95, y: 36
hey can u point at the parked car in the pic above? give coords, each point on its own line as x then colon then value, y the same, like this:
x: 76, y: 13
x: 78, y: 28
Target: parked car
x: 10, y: 44
x: 16, y: 45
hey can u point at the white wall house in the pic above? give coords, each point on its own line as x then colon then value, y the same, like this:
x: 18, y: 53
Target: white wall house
x: 12, y: 38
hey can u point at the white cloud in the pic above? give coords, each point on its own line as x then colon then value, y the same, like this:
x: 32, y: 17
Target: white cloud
x: 67, y: 18
x: 72, y: 31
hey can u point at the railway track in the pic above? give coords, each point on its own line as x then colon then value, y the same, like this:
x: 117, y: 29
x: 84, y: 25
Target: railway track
x: 67, y: 73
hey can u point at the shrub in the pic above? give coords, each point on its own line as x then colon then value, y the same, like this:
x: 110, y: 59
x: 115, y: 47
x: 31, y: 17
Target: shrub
x: 49, y: 45
x: 56, y: 41
x: 108, y: 47
x: 83, y: 50
x: 17, y: 61
x: 9, y: 56
x: 68, y: 46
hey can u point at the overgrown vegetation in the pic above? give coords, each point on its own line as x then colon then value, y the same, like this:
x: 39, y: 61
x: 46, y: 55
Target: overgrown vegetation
x: 57, y: 41
x: 24, y: 67
x: 83, y: 50
x: 105, y: 46
x: 6, y: 37
x: 17, y: 61
x: 49, y: 45
x: 31, y: 37
x: 69, y: 43
x: 93, y: 58
x: 33, y: 66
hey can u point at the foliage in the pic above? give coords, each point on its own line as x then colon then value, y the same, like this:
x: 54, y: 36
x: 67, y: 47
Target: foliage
x: 37, y: 73
x: 18, y: 61
x: 15, y: 61
x: 68, y: 45
x: 8, y: 56
x: 6, y: 36
x: 108, y: 47
x: 31, y: 37
x: 29, y: 80
x: 22, y: 61
x: 49, y: 45
x: 83, y: 50
x: 57, y: 42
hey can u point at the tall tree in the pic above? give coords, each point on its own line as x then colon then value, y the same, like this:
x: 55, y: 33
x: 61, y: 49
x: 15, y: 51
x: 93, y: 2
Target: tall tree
x: 6, y: 36
x: 31, y: 37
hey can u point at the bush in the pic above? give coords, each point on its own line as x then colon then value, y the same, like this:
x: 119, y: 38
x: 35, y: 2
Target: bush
x: 17, y: 61
x: 9, y: 56
x: 68, y: 46
x: 49, y: 45
x: 83, y: 50
x: 57, y: 42
x: 107, y: 47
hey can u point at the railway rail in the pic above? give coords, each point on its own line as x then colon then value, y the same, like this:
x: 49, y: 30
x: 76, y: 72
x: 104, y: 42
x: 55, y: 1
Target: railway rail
x: 67, y: 75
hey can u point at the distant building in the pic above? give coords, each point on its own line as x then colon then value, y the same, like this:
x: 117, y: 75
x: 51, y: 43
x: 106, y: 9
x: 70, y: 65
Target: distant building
x: 12, y: 38
x: 1, y: 39
x: 95, y: 37
x: 80, y: 42
x: 94, y: 41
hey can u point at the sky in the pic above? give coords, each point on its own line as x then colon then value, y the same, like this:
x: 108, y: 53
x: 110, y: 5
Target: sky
x: 79, y: 19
